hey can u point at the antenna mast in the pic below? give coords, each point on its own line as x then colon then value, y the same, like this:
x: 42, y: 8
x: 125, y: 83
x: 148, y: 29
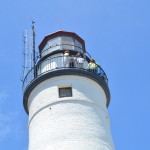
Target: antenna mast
x: 33, y: 48
x: 29, y: 53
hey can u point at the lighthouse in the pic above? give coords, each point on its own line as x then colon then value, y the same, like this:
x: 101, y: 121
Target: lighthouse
x: 65, y: 98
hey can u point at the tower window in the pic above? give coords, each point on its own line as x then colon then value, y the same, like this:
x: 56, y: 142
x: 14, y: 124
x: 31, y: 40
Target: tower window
x: 65, y: 92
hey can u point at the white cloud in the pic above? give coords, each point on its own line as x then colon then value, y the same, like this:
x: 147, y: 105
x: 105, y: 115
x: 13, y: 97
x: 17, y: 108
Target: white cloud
x: 6, y: 119
x: 10, y: 125
x: 3, y: 96
x: 4, y: 131
x: 3, y: 118
x: 4, y: 126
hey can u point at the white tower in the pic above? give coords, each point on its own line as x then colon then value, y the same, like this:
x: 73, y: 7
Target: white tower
x: 67, y: 104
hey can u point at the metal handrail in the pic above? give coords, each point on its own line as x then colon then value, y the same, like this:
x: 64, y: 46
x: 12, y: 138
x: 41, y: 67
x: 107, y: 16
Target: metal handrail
x: 59, y: 62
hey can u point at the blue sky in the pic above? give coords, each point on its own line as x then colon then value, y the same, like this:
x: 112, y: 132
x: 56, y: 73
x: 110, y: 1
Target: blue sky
x: 117, y: 35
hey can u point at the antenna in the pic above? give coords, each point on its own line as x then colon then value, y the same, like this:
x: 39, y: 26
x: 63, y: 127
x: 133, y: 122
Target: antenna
x: 33, y: 46
x: 29, y: 54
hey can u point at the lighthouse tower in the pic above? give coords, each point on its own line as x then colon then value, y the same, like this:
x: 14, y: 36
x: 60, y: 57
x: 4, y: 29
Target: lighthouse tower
x: 65, y: 99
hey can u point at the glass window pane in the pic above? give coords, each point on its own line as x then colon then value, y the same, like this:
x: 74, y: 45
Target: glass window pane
x: 67, y: 42
x: 78, y: 46
x: 54, y: 42
x: 65, y: 92
x: 51, y: 45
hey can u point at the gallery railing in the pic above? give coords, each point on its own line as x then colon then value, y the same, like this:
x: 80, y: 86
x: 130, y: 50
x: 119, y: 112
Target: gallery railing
x: 60, y: 62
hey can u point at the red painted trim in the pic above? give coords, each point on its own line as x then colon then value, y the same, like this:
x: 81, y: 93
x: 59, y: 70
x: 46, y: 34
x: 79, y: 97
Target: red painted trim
x: 58, y: 33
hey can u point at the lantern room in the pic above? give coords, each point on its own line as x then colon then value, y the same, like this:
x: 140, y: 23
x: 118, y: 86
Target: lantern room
x: 60, y: 41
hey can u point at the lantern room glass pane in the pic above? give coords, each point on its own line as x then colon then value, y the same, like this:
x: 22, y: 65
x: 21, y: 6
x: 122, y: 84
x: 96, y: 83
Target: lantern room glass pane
x: 67, y: 43
x: 51, y: 45
x: 78, y: 46
x: 54, y: 42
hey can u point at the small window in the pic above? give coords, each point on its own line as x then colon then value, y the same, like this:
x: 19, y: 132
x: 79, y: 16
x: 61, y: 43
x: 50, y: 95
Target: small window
x: 65, y: 92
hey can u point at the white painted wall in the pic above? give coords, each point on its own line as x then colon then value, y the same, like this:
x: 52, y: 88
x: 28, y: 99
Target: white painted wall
x: 80, y: 122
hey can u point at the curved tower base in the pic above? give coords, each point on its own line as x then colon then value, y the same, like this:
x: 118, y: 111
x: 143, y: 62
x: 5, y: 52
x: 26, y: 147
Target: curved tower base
x: 79, y: 122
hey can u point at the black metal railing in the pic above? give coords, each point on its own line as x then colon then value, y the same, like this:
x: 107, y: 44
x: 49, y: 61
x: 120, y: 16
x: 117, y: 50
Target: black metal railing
x: 60, y: 62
